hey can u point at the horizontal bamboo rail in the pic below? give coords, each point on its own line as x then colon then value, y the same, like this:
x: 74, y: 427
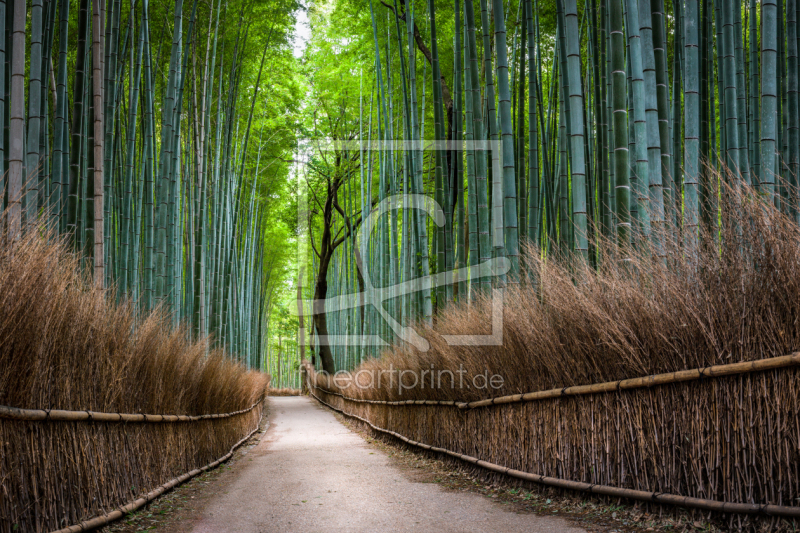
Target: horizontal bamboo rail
x: 605, y: 490
x: 102, y: 520
x: 15, y: 413
x: 609, y: 386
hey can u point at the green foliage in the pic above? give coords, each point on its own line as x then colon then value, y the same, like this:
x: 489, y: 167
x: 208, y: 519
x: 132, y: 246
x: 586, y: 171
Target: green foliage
x: 192, y: 129
x: 621, y: 121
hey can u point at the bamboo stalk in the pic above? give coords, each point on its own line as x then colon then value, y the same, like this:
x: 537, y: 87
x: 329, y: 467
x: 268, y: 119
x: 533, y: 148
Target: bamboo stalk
x: 769, y: 98
x: 17, y: 122
x: 97, y: 94
x: 691, y: 97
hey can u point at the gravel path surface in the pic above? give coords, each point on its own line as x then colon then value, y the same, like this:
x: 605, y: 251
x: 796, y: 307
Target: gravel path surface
x: 311, y: 474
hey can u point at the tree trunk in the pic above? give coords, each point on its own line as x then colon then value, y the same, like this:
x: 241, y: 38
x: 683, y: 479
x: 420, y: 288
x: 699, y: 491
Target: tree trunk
x: 321, y: 318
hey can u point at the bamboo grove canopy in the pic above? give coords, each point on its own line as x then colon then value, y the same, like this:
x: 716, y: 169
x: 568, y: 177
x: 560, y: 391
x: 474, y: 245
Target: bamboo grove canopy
x: 618, y: 121
x: 136, y: 130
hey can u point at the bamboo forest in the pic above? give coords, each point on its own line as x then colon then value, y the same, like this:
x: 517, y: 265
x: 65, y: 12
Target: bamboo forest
x: 407, y: 265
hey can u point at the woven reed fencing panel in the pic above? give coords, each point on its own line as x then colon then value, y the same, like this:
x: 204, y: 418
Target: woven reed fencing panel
x: 734, y: 438
x: 55, y: 473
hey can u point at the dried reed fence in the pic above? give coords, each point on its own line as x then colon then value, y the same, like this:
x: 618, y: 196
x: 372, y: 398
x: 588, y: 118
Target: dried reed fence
x: 716, y: 417
x: 576, y: 448
x: 102, y: 520
x: 101, y: 406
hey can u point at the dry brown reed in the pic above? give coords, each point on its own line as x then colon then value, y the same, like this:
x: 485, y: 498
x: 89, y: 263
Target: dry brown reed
x: 66, y: 345
x: 631, y: 314
x: 737, y: 299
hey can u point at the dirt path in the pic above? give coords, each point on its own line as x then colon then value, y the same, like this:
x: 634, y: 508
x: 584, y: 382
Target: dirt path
x: 310, y: 473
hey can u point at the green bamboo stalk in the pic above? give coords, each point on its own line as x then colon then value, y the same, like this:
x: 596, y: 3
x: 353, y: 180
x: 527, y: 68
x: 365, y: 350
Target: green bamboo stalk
x: 410, y: 157
x: 149, y: 172
x: 723, y: 136
x: 769, y: 98
x: 533, y: 134
x: 163, y: 183
x: 519, y: 149
x: 655, y: 183
x: 755, y: 114
x: 112, y: 70
x: 469, y: 137
x: 662, y: 103
x: 676, y: 128
x: 497, y: 232
x: 16, y: 123
x: 44, y: 110
x: 4, y: 102
x: 32, y: 163
x: 482, y: 252
x: 562, y: 189
x: 440, y: 171
x: 638, y: 102
x: 619, y: 124
x: 692, y: 128
x: 458, y: 153
x: 638, y: 189
x: 76, y: 144
x: 793, y: 125
x: 706, y: 46
x: 127, y: 281
x: 576, y: 107
x: 565, y: 147
x: 510, y: 219
x: 783, y: 158
x: 729, y: 77
x: 99, y: 184
x: 741, y: 96
x: 426, y: 308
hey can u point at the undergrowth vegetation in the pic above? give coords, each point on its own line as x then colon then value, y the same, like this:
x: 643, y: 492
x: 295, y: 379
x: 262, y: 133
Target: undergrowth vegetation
x: 65, y: 344
x: 633, y: 313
